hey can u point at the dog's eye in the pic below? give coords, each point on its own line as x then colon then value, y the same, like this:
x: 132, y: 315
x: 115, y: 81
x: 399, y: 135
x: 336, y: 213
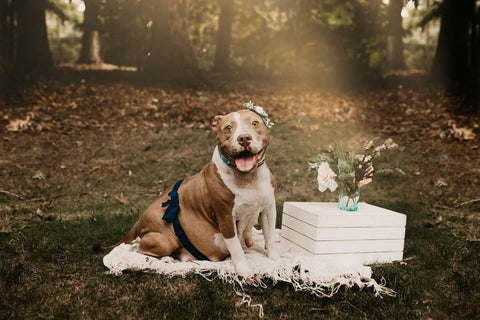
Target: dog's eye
x: 255, y: 123
x: 228, y: 128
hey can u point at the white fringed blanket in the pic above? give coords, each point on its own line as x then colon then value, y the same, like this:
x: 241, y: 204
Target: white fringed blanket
x: 320, y: 277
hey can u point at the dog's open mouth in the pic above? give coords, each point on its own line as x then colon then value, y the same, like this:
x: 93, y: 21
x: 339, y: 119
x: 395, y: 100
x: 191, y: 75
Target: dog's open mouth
x: 246, y: 161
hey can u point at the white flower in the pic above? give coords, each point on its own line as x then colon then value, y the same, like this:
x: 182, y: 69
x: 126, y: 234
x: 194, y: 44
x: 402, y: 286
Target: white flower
x: 260, y: 111
x: 369, y: 145
x: 249, y: 105
x: 326, y: 178
x: 361, y: 157
x: 388, y: 144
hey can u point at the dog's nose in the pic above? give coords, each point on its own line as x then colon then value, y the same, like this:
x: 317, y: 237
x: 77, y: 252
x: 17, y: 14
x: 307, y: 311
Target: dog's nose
x: 244, y: 139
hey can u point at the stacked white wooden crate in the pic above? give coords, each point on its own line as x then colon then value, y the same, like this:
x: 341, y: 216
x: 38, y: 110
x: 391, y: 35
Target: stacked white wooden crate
x: 321, y: 230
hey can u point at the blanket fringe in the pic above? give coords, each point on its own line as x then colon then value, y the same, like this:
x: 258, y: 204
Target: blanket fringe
x: 322, y: 278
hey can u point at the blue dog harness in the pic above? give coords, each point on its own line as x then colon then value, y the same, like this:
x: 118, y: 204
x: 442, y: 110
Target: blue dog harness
x: 171, y: 215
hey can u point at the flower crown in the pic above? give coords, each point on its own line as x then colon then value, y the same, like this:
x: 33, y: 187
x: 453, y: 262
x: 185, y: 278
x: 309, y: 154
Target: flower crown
x: 259, y: 110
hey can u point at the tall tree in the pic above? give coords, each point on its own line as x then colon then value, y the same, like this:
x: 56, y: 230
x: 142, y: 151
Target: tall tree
x: 452, y: 57
x: 90, y: 52
x: 395, y: 57
x: 3, y: 49
x: 457, y: 54
x: 224, y: 36
x: 4, y: 4
x: 171, y: 55
x: 33, y: 51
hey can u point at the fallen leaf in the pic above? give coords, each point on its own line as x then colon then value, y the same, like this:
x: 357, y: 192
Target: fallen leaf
x: 438, y: 220
x: 434, y: 223
x: 463, y: 134
x: 19, y: 125
x: 441, y: 184
x: 40, y: 176
x: 122, y: 199
x: 6, y: 229
x: 44, y: 216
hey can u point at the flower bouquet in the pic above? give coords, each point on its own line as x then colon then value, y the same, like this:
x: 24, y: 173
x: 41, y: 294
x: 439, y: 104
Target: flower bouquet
x: 338, y: 168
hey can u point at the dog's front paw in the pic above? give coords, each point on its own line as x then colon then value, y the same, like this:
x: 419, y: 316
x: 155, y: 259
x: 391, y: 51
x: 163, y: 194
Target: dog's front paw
x: 273, y: 254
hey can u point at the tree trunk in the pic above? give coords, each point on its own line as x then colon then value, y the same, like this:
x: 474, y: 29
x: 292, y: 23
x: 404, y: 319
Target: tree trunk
x: 33, y: 51
x: 3, y: 50
x: 395, y: 57
x: 171, y: 55
x: 474, y: 36
x: 452, y: 59
x: 7, y: 36
x: 475, y: 52
x: 224, y: 36
x: 90, y: 39
x: 3, y: 36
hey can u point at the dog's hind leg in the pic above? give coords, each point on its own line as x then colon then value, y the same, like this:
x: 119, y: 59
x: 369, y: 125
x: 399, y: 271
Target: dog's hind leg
x: 129, y: 237
x: 157, y: 245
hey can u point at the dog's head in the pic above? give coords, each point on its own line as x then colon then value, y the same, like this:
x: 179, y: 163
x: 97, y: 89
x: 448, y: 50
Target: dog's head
x: 242, y: 138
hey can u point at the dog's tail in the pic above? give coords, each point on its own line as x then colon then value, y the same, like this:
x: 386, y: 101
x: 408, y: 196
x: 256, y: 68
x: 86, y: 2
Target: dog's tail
x: 129, y: 237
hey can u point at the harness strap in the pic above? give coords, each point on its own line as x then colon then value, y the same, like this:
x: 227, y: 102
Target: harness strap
x: 171, y: 215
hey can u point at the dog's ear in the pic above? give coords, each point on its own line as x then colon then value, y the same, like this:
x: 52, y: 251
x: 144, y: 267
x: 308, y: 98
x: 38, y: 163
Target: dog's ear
x: 217, y: 123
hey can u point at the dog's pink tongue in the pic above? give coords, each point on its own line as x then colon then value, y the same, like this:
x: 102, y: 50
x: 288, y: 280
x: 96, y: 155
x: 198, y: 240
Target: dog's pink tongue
x: 245, y: 163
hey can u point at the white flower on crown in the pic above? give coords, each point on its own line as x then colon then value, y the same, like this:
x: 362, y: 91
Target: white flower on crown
x: 326, y: 178
x: 259, y: 110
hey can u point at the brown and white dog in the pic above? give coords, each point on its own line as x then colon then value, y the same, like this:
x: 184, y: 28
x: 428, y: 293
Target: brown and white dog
x: 219, y: 205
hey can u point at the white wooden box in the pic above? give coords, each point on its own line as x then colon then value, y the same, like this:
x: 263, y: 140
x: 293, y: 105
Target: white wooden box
x: 321, y: 230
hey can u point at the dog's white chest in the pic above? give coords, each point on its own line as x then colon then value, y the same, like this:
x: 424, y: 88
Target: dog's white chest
x: 252, y: 197
x: 248, y: 205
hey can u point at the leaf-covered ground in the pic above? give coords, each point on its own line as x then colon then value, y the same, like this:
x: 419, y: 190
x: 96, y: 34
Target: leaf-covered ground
x: 80, y: 161
x: 442, y: 147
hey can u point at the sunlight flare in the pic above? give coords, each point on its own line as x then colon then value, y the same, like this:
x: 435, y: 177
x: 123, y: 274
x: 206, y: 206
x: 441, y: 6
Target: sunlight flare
x: 81, y: 7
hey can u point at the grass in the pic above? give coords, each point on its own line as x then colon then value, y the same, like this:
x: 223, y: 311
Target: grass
x: 47, y: 269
